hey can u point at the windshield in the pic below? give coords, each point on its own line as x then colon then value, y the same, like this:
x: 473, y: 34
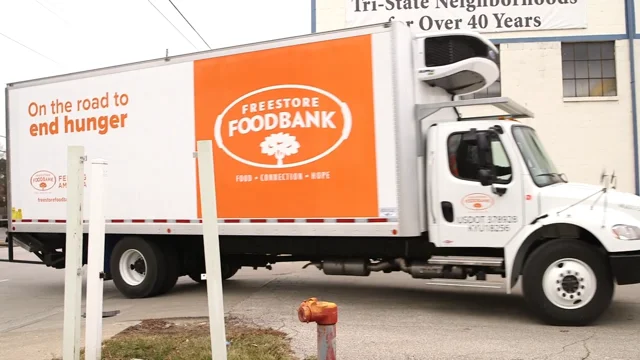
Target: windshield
x: 542, y: 170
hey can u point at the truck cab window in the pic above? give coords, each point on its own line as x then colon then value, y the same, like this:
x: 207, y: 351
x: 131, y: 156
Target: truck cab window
x: 463, y: 158
x: 542, y: 170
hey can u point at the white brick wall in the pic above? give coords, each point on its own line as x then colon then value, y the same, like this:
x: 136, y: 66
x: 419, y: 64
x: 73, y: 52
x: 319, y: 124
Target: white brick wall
x: 604, y: 17
x: 330, y: 15
x: 636, y: 44
x: 582, y: 137
x: 637, y: 9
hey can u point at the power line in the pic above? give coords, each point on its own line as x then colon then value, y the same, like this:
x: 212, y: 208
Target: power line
x: 51, y: 11
x: 30, y: 49
x: 185, y: 19
x: 169, y: 21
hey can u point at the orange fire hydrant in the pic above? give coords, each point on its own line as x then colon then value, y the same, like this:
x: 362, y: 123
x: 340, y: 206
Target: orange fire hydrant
x: 325, y: 314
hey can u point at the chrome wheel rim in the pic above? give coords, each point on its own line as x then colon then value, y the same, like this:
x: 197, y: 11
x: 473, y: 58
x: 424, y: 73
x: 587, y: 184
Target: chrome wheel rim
x: 569, y: 283
x: 133, y: 267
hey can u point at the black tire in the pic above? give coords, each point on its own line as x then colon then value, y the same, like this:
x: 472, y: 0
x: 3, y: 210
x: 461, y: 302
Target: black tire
x: 197, y: 267
x: 172, y: 264
x: 155, y: 270
x: 545, y: 256
x: 227, y: 272
x: 196, y: 277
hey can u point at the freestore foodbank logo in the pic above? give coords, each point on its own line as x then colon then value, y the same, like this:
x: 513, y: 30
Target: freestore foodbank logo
x: 283, y: 126
x: 43, y: 180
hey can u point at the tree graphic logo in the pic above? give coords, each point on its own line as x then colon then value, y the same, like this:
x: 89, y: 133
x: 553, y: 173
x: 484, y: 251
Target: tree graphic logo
x: 43, y: 180
x: 280, y: 145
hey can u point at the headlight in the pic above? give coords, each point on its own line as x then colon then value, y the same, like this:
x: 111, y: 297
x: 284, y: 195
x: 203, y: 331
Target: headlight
x: 626, y: 232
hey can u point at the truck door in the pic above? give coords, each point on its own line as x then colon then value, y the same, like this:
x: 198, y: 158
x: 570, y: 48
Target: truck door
x: 479, y: 195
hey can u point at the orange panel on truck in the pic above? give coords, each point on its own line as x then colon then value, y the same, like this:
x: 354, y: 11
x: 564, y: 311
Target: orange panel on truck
x: 294, y: 130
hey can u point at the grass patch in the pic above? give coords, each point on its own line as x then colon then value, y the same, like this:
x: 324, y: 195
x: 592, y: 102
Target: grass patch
x: 189, y: 339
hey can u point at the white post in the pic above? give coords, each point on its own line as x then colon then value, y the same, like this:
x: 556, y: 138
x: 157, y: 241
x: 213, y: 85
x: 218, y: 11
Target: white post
x: 211, y: 249
x: 95, y: 263
x: 73, y: 254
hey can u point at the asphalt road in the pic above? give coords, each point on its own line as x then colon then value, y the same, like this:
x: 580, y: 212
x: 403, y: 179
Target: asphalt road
x: 384, y: 316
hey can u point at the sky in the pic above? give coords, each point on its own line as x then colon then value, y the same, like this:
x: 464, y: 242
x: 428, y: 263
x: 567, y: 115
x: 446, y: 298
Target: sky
x: 40, y: 38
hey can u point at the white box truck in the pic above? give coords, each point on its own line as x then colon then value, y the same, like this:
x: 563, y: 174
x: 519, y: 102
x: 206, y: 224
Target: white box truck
x: 343, y: 149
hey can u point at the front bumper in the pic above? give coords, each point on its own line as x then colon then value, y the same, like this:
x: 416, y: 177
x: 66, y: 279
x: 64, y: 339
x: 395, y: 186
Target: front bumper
x: 625, y: 267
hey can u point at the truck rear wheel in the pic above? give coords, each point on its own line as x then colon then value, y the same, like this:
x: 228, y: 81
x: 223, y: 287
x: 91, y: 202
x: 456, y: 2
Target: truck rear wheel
x: 567, y: 283
x: 173, y: 268
x: 138, y: 267
x: 228, y: 270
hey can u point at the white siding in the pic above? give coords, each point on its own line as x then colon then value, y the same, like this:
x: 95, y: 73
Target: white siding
x: 637, y: 12
x: 330, y: 15
x: 582, y: 135
x: 636, y: 45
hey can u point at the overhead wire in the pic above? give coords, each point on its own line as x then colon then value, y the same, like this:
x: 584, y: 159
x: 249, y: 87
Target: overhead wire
x: 185, y: 19
x: 2, y: 151
x: 172, y: 24
x: 155, y: 7
x: 51, y: 11
x: 29, y: 48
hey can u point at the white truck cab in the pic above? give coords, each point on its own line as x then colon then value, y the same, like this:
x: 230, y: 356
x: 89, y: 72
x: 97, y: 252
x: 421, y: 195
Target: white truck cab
x: 491, y: 184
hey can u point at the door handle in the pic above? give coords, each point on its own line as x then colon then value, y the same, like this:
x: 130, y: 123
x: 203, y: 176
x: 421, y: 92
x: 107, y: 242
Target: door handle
x: 499, y: 190
x: 447, y: 210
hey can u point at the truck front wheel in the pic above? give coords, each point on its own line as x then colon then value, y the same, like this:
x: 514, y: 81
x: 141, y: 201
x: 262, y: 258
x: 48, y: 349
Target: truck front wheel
x: 567, y: 283
x: 137, y: 267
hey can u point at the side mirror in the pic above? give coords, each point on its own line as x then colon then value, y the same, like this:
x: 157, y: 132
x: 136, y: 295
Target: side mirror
x: 484, y: 149
x: 485, y: 176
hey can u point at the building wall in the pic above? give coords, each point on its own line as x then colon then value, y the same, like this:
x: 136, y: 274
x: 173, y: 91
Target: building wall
x: 636, y: 11
x: 636, y: 61
x: 583, y: 134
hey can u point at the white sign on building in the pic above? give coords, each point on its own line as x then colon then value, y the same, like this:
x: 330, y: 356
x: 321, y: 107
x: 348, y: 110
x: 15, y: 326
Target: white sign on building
x: 483, y: 16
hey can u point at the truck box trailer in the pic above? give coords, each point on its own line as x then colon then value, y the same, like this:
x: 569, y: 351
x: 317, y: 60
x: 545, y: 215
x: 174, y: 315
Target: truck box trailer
x: 344, y: 149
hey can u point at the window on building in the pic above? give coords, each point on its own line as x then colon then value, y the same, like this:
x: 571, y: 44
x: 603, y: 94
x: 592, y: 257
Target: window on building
x: 494, y: 90
x: 463, y: 158
x: 589, y: 69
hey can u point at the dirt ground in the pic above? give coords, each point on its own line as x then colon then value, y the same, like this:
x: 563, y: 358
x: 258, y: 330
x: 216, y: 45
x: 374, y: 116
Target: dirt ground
x: 188, y: 338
